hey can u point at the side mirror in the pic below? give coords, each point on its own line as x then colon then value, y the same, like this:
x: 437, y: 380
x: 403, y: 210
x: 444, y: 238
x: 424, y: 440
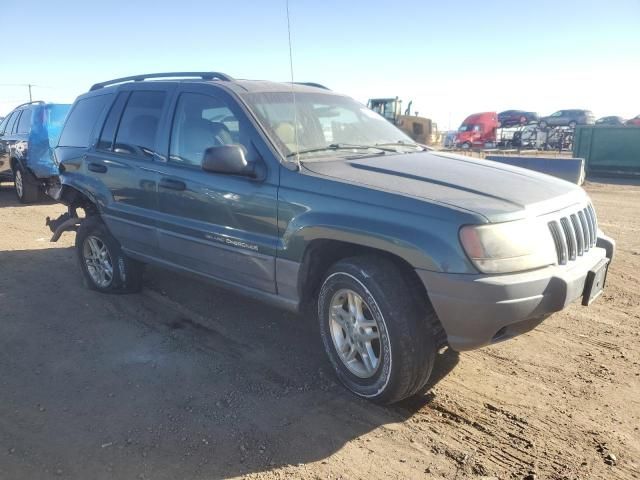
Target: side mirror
x: 227, y: 159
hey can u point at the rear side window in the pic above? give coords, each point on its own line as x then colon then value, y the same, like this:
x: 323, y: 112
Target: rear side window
x: 139, y: 124
x: 111, y: 123
x: 24, y: 124
x: 82, y: 120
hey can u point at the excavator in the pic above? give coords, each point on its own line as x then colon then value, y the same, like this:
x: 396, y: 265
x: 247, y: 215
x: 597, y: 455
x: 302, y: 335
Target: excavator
x: 421, y: 130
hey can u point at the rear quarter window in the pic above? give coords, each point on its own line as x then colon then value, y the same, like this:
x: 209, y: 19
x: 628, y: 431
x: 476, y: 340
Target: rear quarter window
x: 12, y: 120
x: 82, y: 120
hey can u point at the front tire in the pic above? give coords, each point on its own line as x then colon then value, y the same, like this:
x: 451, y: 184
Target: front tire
x: 105, y: 267
x: 380, y: 337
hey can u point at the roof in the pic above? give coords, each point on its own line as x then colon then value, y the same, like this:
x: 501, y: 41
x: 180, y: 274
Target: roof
x: 239, y: 86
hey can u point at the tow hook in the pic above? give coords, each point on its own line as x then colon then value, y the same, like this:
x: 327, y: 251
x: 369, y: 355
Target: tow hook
x: 63, y: 223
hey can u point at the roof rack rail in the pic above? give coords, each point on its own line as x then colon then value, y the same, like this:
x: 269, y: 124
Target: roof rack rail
x: 140, y: 78
x: 29, y: 103
x: 312, y: 84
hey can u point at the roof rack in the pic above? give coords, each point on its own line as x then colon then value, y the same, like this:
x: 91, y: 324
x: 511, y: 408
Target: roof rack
x: 140, y: 78
x: 29, y: 103
x: 312, y: 84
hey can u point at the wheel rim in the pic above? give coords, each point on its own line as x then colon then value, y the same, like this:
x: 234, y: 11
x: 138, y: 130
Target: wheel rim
x: 355, y: 333
x: 98, y: 261
x: 18, y: 183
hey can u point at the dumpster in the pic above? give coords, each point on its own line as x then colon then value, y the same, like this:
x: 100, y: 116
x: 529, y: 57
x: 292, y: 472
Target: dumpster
x: 609, y: 150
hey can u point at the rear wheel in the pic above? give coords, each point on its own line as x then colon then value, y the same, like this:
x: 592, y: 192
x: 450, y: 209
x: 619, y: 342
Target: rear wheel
x: 379, y: 337
x: 104, y: 266
x: 26, y: 189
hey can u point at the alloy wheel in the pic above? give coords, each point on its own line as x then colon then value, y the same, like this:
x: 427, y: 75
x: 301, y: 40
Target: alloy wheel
x: 355, y: 333
x: 98, y: 261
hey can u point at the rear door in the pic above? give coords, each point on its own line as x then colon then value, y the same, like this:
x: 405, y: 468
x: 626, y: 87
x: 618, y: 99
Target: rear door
x: 124, y: 160
x: 222, y: 226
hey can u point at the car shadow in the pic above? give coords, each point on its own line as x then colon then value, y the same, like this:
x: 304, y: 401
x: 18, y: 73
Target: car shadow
x: 184, y: 380
x: 8, y: 197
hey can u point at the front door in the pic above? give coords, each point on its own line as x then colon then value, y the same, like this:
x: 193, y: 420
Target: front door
x: 219, y: 225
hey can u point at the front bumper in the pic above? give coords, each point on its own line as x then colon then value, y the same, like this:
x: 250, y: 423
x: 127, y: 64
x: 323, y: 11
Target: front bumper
x: 477, y: 310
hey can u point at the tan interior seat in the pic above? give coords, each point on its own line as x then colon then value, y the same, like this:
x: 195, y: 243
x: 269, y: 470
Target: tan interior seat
x: 287, y: 135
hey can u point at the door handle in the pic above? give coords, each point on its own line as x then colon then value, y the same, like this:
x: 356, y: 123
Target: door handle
x: 97, y: 167
x: 173, y: 184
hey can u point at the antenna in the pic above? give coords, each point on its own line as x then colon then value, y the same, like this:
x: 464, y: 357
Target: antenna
x: 293, y: 93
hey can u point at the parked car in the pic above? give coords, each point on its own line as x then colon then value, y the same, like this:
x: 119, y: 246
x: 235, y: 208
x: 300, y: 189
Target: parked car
x: 634, y: 121
x: 27, y: 136
x: 612, y: 121
x: 513, y: 118
x: 568, y: 118
x: 398, y: 249
x: 477, y: 130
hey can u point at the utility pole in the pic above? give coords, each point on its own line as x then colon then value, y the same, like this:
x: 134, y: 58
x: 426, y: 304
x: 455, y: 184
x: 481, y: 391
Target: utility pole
x: 30, y: 99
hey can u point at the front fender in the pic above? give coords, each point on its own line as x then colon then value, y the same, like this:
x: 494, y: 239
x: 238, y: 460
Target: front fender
x: 428, y: 244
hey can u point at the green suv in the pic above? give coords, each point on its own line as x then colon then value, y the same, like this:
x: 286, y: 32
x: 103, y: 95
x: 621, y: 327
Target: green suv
x: 297, y: 195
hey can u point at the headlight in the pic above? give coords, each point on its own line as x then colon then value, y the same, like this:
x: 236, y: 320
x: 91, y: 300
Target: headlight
x: 509, y: 247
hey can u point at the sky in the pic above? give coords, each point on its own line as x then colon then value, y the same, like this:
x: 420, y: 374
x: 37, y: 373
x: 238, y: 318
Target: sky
x: 450, y: 58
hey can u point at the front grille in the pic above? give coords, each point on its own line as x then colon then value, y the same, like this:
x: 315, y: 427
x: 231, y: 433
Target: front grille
x: 574, y: 234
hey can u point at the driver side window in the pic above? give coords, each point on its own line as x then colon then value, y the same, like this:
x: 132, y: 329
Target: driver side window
x: 201, y: 122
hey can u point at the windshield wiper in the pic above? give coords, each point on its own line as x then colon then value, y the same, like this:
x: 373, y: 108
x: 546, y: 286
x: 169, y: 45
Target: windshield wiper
x: 402, y: 144
x: 342, y: 146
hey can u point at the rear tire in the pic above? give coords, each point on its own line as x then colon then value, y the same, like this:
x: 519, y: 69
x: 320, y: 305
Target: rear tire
x: 26, y: 189
x: 402, y: 329
x: 105, y: 267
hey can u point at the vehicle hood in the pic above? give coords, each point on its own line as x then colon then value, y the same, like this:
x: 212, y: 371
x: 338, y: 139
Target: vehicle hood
x: 496, y: 191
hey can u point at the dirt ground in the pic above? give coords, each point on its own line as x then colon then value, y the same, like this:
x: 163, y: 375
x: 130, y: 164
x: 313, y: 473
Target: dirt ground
x: 187, y: 381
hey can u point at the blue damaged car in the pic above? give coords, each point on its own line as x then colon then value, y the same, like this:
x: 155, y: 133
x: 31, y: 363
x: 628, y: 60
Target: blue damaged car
x: 27, y: 137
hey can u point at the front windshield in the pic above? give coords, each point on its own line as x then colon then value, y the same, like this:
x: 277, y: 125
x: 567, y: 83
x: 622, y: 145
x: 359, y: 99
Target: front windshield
x: 323, y: 120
